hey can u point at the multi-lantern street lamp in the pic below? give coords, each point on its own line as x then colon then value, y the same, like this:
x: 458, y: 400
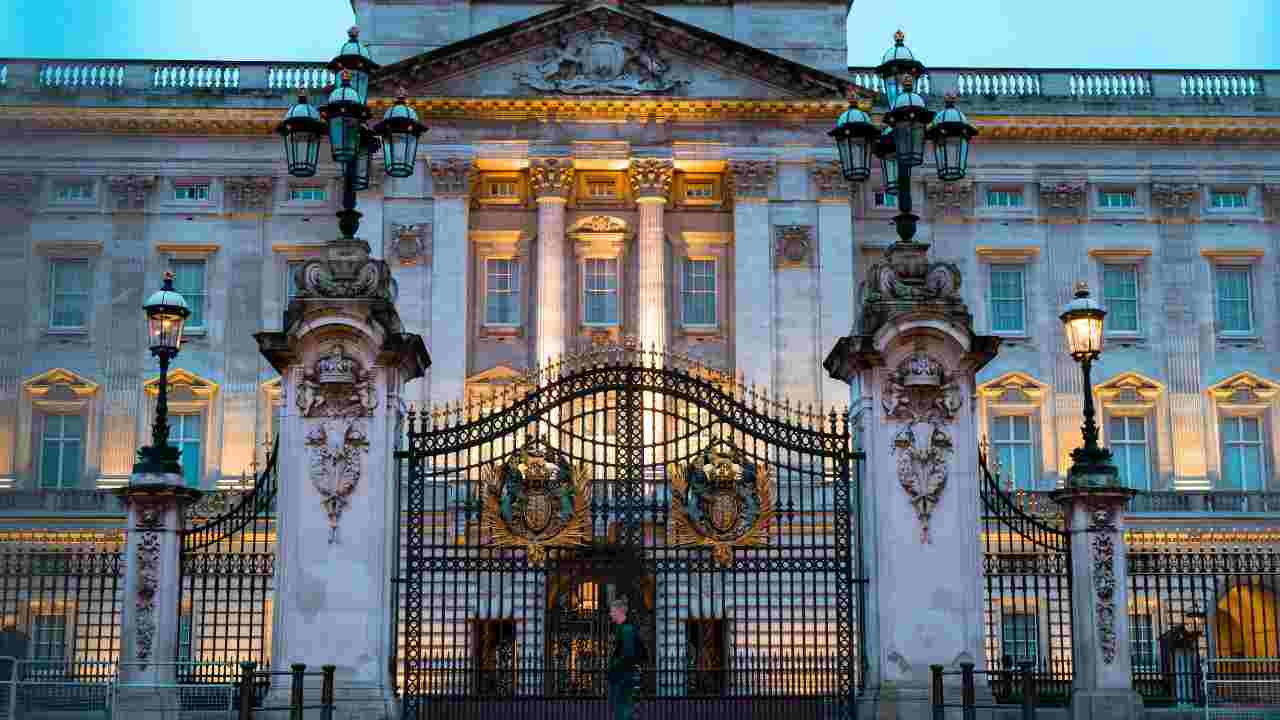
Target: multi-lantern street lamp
x: 167, y: 314
x: 900, y: 144
x: 344, y: 118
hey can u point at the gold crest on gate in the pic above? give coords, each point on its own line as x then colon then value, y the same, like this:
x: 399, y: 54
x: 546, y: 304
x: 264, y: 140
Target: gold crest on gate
x: 719, y: 500
x: 536, y: 500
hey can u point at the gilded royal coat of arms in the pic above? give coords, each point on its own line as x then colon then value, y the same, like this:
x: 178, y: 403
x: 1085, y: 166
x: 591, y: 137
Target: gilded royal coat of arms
x: 536, y: 500
x: 720, y: 501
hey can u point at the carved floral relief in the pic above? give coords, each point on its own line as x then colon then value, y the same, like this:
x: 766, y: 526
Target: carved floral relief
x: 336, y: 467
x: 1102, y: 552
x: 150, y: 522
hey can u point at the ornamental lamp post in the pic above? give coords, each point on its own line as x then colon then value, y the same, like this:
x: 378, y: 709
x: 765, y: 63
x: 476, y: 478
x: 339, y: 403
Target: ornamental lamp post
x: 167, y: 314
x: 1083, y: 321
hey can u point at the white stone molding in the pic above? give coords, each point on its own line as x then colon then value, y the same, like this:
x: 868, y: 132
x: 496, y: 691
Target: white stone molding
x: 698, y: 245
x: 131, y: 191
x: 452, y: 177
x: 55, y: 392
x: 828, y: 180
x: 1140, y: 259
x: 752, y: 180
x: 551, y: 181
x: 514, y: 245
x: 793, y: 246
x: 651, y: 182
x: 1132, y: 394
x: 1240, y: 258
x: 600, y: 237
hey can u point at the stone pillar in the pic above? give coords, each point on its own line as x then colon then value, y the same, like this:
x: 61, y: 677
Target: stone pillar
x: 551, y: 181
x: 837, y: 268
x: 450, y: 256
x: 651, y: 182
x: 149, y: 617
x: 752, y: 181
x: 343, y: 367
x: 1102, y: 686
x: 18, y: 195
x: 915, y: 359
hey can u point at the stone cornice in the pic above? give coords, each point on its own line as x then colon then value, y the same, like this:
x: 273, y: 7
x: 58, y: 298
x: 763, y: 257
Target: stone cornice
x: 262, y: 122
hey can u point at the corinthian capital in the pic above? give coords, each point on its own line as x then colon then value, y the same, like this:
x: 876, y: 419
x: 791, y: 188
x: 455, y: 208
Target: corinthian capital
x: 651, y: 177
x: 552, y: 177
x: 752, y: 178
x: 1069, y: 194
x: 1173, y: 195
x: 828, y: 178
x: 248, y: 192
x: 452, y: 176
x: 131, y: 190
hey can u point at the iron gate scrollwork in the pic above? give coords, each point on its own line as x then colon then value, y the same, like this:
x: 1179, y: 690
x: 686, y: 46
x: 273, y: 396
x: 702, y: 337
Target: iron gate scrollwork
x: 726, y: 521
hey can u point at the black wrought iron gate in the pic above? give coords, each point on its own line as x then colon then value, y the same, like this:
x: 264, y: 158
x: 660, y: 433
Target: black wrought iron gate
x: 726, y: 521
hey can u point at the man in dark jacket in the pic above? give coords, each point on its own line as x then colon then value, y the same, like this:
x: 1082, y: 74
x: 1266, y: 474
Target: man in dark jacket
x: 624, y: 663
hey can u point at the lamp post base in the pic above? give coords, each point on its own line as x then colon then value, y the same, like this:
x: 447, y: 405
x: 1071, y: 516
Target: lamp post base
x: 157, y: 461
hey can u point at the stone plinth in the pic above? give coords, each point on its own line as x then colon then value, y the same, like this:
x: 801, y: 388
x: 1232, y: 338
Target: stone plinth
x: 344, y: 361
x: 1102, y: 688
x: 912, y: 372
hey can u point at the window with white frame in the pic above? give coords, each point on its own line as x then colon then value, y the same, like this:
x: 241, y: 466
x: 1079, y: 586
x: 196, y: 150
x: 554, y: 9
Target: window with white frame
x: 883, y: 199
x: 307, y: 194
x: 1014, y: 448
x: 699, y: 292
x: 73, y: 191
x: 1234, y: 300
x: 62, y: 451
x: 185, y: 434
x: 68, y: 293
x: 1020, y: 636
x: 502, y: 291
x: 1008, y: 298
x: 49, y: 637
x: 1243, y: 465
x: 1127, y: 435
x: 1142, y: 643
x: 188, y: 280
x: 191, y: 191
x: 1004, y: 198
x: 600, y: 291
x: 1228, y: 199
x: 1117, y: 199
x: 1120, y: 295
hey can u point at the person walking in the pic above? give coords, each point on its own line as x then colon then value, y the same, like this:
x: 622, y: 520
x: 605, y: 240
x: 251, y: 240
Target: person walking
x: 624, y: 663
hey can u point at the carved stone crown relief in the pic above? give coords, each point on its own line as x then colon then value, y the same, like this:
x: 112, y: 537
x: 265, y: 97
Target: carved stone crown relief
x: 922, y: 392
x: 600, y: 224
x: 409, y: 242
x: 599, y: 63
x: 336, y: 386
x: 949, y: 195
x: 793, y: 246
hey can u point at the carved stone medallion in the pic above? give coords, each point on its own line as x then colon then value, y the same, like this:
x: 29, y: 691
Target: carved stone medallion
x: 720, y: 501
x: 597, y: 62
x: 336, y: 467
x: 793, y: 246
x: 336, y: 386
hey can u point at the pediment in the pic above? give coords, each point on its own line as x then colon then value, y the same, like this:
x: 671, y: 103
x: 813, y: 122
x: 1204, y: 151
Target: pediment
x: 499, y: 375
x: 198, y: 387
x: 79, y: 385
x: 1129, y: 388
x: 1013, y: 387
x: 604, y: 50
x: 1244, y: 388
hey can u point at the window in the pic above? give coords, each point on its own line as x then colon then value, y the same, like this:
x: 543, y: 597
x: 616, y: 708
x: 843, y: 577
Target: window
x: 700, y: 190
x: 191, y: 192
x: 1114, y: 199
x: 601, y: 292
x: 48, y: 637
x: 1128, y: 437
x: 885, y: 200
x: 184, y: 434
x: 502, y: 188
x: 1008, y: 312
x: 602, y: 189
x: 188, y: 280
x: 1011, y: 438
x: 68, y: 293
x: 1019, y: 637
x: 73, y: 191
x: 1235, y: 314
x: 1004, y: 198
x: 306, y: 194
x: 1228, y: 200
x: 291, y: 279
x: 502, y: 292
x: 700, y: 293
x: 62, y: 451
x: 1142, y: 643
x: 1120, y: 295
x: 1242, y: 467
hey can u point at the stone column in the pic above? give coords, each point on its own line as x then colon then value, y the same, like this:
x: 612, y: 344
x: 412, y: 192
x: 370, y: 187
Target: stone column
x: 552, y: 181
x: 651, y: 182
x: 149, y: 617
x: 343, y: 366
x: 1102, y: 685
x: 837, y: 267
x: 915, y: 359
x: 752, y: 181
x: 17, y: 202
x: 449, y: 300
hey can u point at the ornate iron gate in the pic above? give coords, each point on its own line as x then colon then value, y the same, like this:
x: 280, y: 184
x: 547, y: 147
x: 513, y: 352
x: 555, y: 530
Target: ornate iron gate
x: 1027, y: 572
x: 725, y: 519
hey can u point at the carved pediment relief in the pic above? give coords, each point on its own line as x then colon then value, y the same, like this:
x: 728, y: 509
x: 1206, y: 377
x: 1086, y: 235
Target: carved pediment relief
x: 1244, y: 388
x: 1013, y: 387
x: 1130, y: 389
x: 599, y: 224
x: 73, y: 383
x: 185, y: 380
x: 615, y: 49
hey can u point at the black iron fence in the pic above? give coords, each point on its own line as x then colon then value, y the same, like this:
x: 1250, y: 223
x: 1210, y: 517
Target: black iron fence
x: 1020, y: 687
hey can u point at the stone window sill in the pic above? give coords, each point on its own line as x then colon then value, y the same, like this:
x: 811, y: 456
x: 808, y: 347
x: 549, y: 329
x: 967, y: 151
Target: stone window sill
x: 72, y: 332
x: 501, y: 331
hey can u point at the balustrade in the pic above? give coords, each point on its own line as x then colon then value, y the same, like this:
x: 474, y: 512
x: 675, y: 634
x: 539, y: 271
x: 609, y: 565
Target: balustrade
x: 77, y: 74
x: 1012, y: 83
x: 195, y: 76
x: 1215, y: 84
x: 308, y: 76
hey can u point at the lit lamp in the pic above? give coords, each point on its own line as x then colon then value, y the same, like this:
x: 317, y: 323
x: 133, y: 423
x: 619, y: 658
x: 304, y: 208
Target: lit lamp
x: 1082, y: 321
x: 400, y: 131
x: 167, y: 314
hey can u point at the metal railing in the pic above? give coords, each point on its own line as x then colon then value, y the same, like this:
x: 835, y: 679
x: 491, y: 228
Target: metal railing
x: 1245, y: 688
x: 1020, y: 686
x: 58, y: 500
x: 251, y: 679
x: 1039, y: 502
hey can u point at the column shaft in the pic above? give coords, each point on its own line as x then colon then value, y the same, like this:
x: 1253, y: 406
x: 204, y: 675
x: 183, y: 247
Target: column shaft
x: 550, y: 313
x: 653, y: 295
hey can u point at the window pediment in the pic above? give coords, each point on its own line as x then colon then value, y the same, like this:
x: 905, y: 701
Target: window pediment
x: 1244, y: 388
x: 200, y: 388
x: 1013, y: 388
x: 42, y: 384
x: 1129, y: 390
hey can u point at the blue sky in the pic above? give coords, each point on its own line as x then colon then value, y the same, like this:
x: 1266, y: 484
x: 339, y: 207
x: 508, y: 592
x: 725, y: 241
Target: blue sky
x: 1228, y: 34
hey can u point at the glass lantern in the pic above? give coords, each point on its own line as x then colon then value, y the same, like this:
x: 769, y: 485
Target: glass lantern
x: 855, y: 137
x: 950, y: 134
x: 1082, y: 321
x: 898, y: 67
x: 399, y: 131
x: 908, y: 117
x: 167, y: 314
x: 301, y: 129
x: 884, y: 150
x: 355, y: 59
x: 345, y: 114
